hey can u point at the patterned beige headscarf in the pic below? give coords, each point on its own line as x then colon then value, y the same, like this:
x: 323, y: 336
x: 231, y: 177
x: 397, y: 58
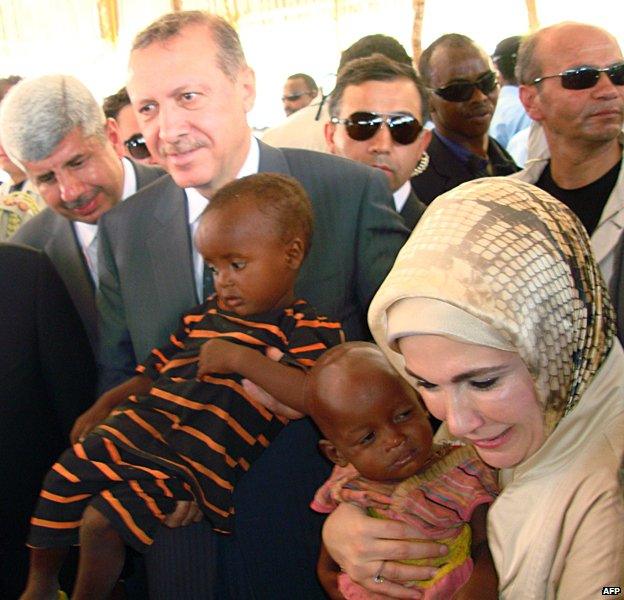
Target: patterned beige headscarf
x: 507, y: 254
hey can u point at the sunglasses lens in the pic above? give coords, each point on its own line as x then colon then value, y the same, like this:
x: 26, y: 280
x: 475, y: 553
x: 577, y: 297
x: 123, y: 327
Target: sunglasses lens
x: 580, y: 79
x: 363, y: 126
x: 616, y: 74
x: 461, y: 92
x: 456, y: 92
x: 486, y: 83
x: 404, y: 129
x: 139, y: 151
x: 137, y: 147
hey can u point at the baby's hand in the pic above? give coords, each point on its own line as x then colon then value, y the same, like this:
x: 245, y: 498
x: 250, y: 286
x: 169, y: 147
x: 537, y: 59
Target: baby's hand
x: 185, y: 513
x: 219, y: 356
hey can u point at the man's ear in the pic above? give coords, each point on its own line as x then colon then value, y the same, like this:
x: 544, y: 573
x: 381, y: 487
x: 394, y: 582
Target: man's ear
x: 330, y: 130
x: 423, y: 141
x: 246, y: 81
x: 295, y: 253
x: 332, y: 453
x: 113, y: 134
x: 530, y: 98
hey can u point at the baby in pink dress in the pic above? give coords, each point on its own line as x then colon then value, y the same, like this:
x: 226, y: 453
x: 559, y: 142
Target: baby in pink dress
x: 381, y: 442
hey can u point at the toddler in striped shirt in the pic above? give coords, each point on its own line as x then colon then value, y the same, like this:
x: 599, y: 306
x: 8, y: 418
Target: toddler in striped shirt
x: 184, y: 428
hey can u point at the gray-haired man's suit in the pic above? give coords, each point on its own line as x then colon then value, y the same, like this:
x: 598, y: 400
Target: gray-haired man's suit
x: 54, y: 234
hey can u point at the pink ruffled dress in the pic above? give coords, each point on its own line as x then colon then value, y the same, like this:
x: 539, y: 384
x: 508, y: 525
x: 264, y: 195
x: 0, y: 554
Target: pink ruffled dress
x: 438, y: 501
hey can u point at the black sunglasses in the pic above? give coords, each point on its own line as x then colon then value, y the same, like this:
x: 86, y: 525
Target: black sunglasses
x: 360, y: 126
x: 137, y: 147
x: 293, y: 97
x: 583, y: 78
x: 463, y: 91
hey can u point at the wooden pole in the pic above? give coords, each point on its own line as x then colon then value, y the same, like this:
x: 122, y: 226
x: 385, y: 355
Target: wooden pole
x: 109, y: 20
x: 419, y: 14
x: 532, y: 15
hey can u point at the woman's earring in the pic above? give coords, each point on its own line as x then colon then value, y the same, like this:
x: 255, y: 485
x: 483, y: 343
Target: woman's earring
x: 422, y: 165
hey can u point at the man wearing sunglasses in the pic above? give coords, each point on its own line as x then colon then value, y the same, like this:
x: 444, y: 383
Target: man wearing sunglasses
x: 130, y: 142
x: 463, y: 91
x: 572, y: 84
x: 55, y: 129
x: 376, y: 114
x: 299, y: 91
x: 306, y: 128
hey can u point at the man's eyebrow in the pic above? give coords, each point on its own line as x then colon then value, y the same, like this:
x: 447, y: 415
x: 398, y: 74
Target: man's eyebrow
x: 189, y: 86
x: 138, y: 102
x: 74, y: 158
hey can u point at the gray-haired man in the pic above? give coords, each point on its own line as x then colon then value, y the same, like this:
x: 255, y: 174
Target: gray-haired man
x: 56, y: 130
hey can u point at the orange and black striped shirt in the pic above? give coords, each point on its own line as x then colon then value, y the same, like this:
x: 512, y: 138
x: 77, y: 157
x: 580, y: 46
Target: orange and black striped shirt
x: 209, y: 432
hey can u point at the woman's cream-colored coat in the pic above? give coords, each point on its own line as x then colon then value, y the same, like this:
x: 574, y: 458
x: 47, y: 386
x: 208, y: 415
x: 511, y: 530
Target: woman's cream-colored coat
x: 557, y: 529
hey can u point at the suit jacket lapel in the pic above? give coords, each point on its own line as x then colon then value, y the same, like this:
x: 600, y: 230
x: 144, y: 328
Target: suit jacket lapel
x: 272, y: 160
x: 139, y: 174
x: 144, y: 174
x: 453, y: 171
x: 609, y: 230
x: 412, y: 210
x: 171, y: 263
x: 63, y: 245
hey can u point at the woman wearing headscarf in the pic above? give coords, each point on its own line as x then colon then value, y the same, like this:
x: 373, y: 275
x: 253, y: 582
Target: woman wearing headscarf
x: 496, y: 312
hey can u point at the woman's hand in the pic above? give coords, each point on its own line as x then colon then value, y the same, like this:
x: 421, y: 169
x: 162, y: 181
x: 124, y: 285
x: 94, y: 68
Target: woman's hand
x: 268, y: 401
x: 366, y: 547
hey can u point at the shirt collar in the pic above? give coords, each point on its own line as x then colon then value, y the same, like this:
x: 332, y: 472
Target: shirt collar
x: 196, y: 204
x: 86, y: 232
x: 129, y: 180
x: 401, y: 195
x: 252, y: 162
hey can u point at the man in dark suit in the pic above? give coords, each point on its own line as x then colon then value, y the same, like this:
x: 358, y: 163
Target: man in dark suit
x: 48, y: 378
x: 376, y: 113
x: 55, y: 128
x: 463, y: 94
x: 191, y: 88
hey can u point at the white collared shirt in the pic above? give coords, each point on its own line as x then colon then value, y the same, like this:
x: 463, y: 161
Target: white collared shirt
x: 401, y: 195
x: 196, y: 204
x: 87, y: 232
x: 129, y: 180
